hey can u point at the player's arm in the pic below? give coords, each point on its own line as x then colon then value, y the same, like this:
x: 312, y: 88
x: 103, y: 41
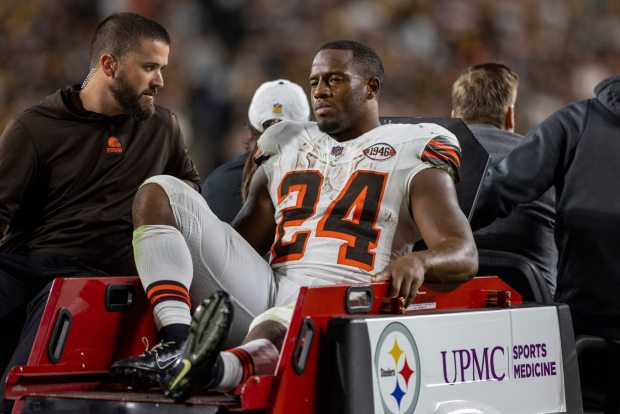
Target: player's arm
x: 255, y: 222
x: 532, y: 167
x: 451, y: 256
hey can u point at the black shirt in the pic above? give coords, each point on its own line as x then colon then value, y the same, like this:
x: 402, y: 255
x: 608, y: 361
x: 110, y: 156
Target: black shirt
x: 575, y: 150
x: 222, y: 189
x: 69, y: 178
x: 528, y: 230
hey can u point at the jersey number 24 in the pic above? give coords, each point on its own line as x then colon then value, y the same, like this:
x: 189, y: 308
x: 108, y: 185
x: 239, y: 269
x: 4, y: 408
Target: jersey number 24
x: 350, y: 217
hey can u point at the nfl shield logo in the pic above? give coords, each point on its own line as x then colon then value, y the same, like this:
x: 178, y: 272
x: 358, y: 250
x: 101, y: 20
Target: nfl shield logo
x: 337, y: 150
x: 276, y: 108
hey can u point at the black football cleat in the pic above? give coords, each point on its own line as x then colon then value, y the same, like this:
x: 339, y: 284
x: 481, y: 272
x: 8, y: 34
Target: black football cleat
x: 148, y: 369
x: 210, y: 325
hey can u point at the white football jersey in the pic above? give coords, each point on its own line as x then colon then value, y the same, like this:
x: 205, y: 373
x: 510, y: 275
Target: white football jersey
x: 342, y: 208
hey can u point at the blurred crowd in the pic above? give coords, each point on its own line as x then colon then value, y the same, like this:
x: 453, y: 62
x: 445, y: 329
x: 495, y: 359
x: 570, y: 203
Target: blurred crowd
x: 223, y: 49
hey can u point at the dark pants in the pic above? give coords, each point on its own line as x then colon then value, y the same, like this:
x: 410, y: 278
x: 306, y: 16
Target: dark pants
x: 25, y: 282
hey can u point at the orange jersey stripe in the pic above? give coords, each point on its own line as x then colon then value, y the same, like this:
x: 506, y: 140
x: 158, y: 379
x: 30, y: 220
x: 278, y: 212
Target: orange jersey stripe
x: 443, y: 151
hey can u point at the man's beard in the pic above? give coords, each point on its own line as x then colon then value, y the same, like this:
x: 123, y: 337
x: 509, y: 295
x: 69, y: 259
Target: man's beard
x: 130, y: 101
x: 329, y: 127
x: 344, y: 123
x: 339, y: 125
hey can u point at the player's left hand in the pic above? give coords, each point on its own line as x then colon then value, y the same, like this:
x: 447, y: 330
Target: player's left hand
x: 406, y: 275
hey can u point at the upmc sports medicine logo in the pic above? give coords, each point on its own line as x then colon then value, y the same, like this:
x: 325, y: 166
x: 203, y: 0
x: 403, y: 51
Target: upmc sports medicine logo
x: 397, y: 369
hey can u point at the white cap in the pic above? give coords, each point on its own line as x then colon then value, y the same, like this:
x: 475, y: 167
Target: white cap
x: 278, y: 99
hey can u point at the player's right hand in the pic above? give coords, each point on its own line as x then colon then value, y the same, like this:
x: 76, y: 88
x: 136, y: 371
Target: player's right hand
x: 405, y: 274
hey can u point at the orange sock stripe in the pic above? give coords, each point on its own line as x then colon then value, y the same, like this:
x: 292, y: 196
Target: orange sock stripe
x: 246, y: 363
x: 151, y: 290
x: 154, y: 299
x: 167, y: 290
x: 165, y: 282
x: 243, y: 357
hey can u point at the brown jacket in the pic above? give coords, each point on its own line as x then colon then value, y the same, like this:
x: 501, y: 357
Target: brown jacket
x: 68, y: 178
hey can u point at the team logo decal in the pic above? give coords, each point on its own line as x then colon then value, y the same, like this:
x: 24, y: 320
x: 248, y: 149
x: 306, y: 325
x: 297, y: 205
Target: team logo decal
x: 397, y: 369
x: 276, y: 108
x: 114, y: 145
x: 380, y: 152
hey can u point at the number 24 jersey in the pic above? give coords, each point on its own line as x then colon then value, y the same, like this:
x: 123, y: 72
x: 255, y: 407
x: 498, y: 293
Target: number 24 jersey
x: 342, y: 209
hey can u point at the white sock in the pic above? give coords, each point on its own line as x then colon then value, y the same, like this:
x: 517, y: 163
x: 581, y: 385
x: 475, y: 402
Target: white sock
x: 165, y: 267
x: 258, y: 357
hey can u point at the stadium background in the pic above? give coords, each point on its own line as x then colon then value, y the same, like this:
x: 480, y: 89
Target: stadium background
x: 223, y: 49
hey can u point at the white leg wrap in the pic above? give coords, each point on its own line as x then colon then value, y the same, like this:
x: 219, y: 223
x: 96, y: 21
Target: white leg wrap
x: 162, y: 255
x: 258, y: 357
x: 221, y: 258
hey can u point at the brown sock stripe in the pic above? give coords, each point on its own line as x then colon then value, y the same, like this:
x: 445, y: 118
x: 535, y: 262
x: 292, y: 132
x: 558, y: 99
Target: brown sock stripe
x: 246, y: 363
x: 158, y: 287
x: 167, y: 290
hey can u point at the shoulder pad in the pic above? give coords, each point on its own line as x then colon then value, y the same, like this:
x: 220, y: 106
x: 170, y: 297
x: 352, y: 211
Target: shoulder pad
x: 282, y: 134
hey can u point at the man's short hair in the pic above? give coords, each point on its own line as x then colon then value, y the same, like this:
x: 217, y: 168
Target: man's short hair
x: 367, y: 60
x: 121, y: 33
x: 483, y: 93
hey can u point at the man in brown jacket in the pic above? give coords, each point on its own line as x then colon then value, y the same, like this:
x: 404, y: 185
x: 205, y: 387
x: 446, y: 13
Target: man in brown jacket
x: 70, y: 167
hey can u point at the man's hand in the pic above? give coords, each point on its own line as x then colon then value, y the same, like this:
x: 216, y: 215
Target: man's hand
x: 406, y: 275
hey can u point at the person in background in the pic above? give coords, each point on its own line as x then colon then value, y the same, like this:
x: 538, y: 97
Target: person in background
x: 484, y: 97
x: 575, y: 151
x: 71, y: 166
x: 227, y: 186
x: 341, y: 200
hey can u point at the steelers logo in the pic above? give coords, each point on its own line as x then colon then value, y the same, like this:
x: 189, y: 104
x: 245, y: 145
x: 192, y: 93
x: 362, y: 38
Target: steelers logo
x: 397, y: 369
